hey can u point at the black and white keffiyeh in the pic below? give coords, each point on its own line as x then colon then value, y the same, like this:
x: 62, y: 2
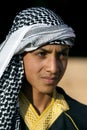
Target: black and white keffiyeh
x: 32, y: 28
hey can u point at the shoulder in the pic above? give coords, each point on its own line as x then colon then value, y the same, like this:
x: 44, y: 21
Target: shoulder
x: 73, y: 104
x: 70, y: 100
x: 64, y: 122
x: 77, y: 111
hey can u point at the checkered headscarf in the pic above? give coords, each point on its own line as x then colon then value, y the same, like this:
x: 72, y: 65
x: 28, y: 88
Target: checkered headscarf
x: 31, y: 28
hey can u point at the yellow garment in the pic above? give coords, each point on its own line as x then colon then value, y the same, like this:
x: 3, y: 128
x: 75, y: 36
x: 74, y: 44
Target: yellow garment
x: 46, y: 119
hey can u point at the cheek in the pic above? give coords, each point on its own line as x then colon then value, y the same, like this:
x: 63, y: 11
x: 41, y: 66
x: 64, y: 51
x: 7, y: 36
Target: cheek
x: 32, y: 69
x: 65, y: 65
x: 29, y: 72
x: 29, y: 68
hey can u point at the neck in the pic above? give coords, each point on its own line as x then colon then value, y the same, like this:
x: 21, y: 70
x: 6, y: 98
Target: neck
x: 39, y: 100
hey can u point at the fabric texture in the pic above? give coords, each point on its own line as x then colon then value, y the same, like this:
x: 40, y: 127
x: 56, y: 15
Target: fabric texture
x: 61, y: 123
x: 31, y: 28
x: 66, y: 120
x: 10, y: 85
x: 48, y: 117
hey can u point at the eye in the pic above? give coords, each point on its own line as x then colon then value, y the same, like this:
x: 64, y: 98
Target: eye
x: 42, y: 53
x: 63, y: 54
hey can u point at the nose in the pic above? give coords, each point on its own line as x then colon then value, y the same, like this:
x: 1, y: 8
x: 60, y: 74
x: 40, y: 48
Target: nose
x: 53, y: 64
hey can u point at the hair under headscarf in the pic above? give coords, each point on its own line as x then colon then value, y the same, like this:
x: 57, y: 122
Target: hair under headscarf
x: 32, y: 28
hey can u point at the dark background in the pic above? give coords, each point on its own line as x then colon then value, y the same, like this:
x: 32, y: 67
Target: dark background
x: 73, y: 12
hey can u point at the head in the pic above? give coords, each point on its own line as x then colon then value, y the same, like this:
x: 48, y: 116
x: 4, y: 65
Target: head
x: 35, y: 28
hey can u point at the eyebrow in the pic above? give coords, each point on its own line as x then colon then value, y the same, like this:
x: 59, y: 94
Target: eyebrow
x: 49, y: 51
x: 45, y: 50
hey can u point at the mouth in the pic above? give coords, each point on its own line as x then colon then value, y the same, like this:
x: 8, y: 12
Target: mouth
x: 50, y: 80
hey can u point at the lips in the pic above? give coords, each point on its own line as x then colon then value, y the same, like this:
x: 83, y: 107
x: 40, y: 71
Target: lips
x: 50, y: 80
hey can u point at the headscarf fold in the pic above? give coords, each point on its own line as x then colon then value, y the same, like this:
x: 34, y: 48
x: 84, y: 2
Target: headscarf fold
x: 32, y: 28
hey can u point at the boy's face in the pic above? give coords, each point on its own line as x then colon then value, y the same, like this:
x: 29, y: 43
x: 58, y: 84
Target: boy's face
x: 45, y: 67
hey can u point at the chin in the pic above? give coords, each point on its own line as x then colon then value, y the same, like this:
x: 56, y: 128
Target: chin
x: 48, y: 90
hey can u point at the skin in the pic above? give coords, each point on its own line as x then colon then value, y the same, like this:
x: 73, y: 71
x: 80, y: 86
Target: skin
x: 44, y: 68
